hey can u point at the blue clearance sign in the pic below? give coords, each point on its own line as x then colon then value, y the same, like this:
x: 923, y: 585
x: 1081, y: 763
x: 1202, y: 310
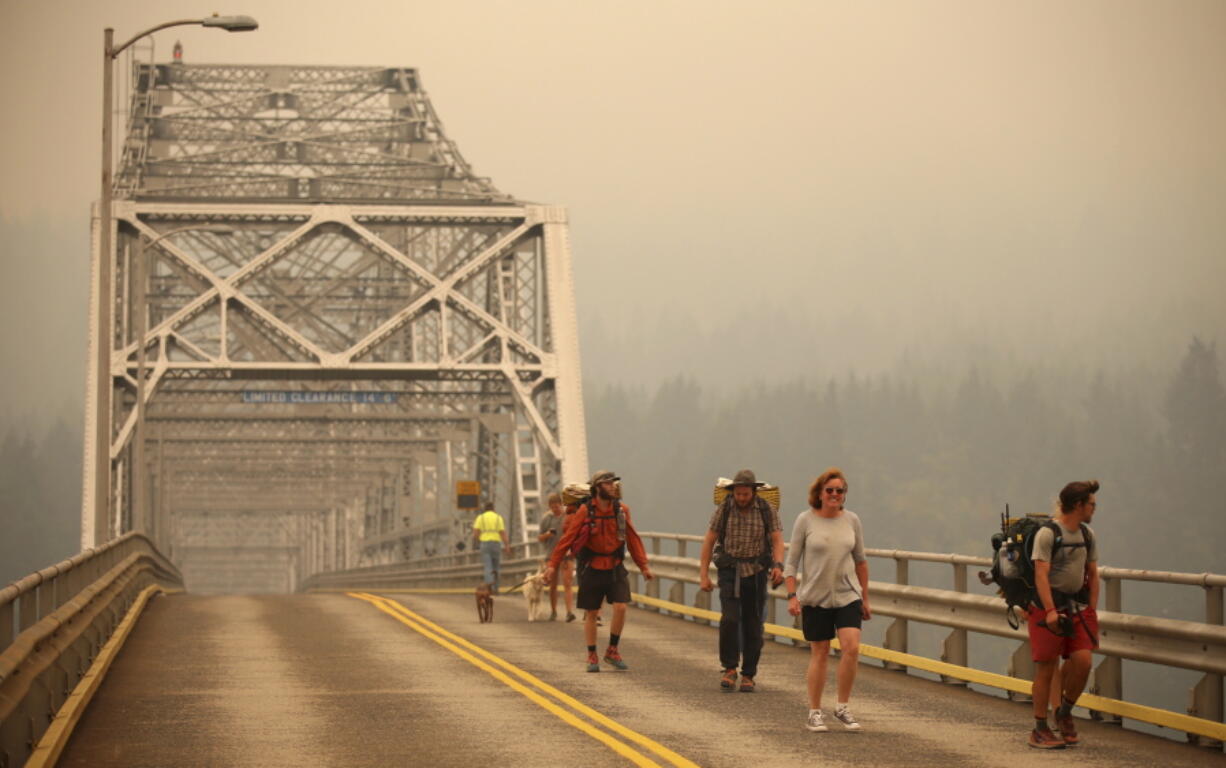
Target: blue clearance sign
x: 283, y: 396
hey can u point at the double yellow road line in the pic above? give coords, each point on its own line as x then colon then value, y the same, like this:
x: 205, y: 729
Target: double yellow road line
x: 568, y: 709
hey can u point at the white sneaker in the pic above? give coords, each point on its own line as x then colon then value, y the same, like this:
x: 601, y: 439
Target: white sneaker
x: 844, y: 716
x: 816, y: 723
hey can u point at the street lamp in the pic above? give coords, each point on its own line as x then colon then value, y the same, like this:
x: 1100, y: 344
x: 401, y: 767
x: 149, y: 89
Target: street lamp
x: 140, y: 273
x: 102, y: 369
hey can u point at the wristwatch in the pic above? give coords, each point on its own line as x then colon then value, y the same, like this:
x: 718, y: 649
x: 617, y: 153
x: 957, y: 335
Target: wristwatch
x: 779, y: 566
x: 791, y: 595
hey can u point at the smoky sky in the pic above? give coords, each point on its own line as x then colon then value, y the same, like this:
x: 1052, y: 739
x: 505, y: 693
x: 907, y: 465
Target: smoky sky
x: 843, y: 182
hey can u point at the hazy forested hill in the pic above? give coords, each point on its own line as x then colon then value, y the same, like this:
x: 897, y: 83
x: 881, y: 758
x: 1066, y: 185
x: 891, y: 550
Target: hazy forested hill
x: 932, y: 459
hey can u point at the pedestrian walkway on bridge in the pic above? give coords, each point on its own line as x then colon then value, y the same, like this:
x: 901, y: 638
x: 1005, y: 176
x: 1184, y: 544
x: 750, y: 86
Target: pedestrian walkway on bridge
x: 330, y: 680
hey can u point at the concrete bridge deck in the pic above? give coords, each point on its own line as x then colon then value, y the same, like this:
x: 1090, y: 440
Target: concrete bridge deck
x: 330, y: 680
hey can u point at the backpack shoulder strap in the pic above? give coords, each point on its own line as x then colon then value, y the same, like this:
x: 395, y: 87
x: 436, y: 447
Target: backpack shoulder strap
x: 1058, y: 541
x: 765, y: 508
x: 723, y: 520
x: 1088, y: 538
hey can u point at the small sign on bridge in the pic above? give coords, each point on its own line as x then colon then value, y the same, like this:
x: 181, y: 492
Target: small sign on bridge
x: 278, y: 397
x: 468, y: 494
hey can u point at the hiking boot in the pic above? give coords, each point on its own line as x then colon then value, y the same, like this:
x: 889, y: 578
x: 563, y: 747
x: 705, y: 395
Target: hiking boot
x: 570, y: 617
x: 816, y: 723
x: 593, y: 663
x: 553, y: 615
x: 1068, y: 730
x: 746, y: 684
x: 844, y: 716
x: 727, y: 680
x: 614, y: 659
x: 1043, y: 738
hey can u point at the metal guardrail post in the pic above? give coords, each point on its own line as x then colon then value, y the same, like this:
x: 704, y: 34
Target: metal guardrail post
x: 1205, y: 699
x: 896, y: 633
x: 703, y: 600
x: 27, y: 610
x: 955, y: 645
x: 1108, y: 679
x: 653, y: 586
x: 676, y: 594
x: 1021, y: 665
x: 653, y: 590
x: 6, y: 625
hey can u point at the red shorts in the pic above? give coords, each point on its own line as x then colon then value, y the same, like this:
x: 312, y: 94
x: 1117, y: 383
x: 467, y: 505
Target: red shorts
x: 1046, y: 645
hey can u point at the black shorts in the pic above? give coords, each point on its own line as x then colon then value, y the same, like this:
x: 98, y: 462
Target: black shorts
x: 821, y: 623
x: 596, y: 586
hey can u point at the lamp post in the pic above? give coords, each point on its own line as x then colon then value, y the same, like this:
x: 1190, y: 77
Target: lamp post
x: 140, y: 273
x: 102, y: 370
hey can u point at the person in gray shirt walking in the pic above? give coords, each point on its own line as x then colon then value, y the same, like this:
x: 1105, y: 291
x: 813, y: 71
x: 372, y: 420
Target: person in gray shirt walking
x: 828, y: 548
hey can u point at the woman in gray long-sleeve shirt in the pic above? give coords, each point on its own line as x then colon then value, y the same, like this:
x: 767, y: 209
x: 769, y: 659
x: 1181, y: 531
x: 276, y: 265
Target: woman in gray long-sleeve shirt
x: 828, y: 547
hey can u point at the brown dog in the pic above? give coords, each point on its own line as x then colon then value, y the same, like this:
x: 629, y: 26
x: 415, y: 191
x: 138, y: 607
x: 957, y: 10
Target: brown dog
x: 485, y: 603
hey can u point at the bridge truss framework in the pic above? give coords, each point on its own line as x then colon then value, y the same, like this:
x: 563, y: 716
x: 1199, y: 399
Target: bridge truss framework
x: 322, y: 321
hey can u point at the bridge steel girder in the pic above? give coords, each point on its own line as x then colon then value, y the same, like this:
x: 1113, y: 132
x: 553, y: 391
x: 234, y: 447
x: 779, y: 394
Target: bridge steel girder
x: 331, y: 307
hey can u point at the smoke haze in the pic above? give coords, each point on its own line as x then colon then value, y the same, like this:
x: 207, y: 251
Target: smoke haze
x: 763, y: 200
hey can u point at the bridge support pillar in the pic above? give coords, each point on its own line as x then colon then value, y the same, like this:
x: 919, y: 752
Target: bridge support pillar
x: 1021, y: 665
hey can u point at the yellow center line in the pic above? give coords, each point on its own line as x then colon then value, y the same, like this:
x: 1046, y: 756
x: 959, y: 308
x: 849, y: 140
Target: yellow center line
x: 502, y: 677
x: 443, y: 636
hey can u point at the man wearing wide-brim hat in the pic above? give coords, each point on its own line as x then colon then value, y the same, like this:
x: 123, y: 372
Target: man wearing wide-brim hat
x: 750, y: 549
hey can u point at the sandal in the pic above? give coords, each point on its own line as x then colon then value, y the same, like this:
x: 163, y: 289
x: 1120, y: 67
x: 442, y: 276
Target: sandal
x: 728, y: 680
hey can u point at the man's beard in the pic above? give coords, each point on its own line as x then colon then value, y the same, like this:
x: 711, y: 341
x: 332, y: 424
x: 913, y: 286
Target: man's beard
x: 605, y: 495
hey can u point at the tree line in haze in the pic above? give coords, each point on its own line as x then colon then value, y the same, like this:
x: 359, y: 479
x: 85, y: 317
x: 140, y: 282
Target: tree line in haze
x: 932, y: 459
x: 40, y: 497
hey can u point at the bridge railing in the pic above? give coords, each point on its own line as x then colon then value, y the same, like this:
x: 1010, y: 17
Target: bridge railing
x: 54, y: 622
x: 449, y: 570
x: 1198, y: 646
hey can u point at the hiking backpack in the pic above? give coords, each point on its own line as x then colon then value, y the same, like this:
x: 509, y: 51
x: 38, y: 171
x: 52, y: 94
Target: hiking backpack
x: 723, y: 560
x: 1013, y: 566
x: 578, y: 546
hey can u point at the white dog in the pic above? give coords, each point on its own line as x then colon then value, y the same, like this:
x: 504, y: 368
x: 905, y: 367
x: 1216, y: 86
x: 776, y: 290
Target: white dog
x: 534, y: 590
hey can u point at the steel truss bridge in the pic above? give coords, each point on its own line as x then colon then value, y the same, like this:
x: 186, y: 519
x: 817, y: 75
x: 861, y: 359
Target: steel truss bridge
x: 323, y: 320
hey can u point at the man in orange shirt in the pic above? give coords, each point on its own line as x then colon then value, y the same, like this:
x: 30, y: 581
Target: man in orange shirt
x: 602, y: 534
